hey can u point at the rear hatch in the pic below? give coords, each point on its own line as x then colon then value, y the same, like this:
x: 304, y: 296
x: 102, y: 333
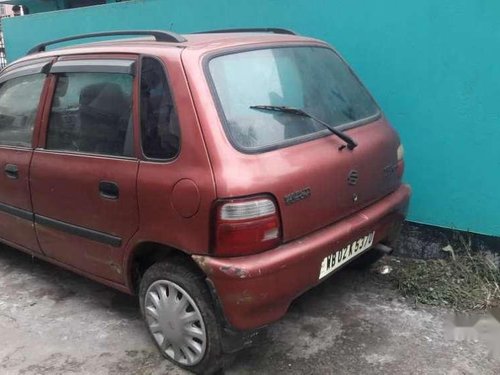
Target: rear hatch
x: 337, y: 183
x: 315, y: 179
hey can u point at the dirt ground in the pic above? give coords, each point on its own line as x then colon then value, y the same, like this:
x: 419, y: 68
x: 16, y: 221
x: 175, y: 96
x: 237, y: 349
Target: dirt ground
x: 54, y: 322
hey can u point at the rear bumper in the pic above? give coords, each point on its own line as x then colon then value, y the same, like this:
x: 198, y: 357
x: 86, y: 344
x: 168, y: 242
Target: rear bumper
x: 256, y: 290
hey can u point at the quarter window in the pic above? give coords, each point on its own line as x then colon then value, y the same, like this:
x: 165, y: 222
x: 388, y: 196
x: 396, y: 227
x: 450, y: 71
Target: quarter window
x: 19, y: 100
x: 160, y: 128
x: 92, y: 113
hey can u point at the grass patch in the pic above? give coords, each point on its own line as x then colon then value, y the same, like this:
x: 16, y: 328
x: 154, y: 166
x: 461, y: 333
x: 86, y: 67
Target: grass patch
x: 466, y: 280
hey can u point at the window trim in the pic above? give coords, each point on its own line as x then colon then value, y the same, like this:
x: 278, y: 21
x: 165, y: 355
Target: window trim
x: 52, y: 79
x: 172, y: 94
x: 84, y: 154
x: 25, y: 71
x: 294, y: 141
x: 24, y: 63
x: 118, y: 66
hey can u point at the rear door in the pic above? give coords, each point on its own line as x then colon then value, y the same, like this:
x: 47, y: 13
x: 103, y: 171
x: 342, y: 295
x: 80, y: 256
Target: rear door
x: 315, y: 178
x: 20, y: 97
x: 83, y: 174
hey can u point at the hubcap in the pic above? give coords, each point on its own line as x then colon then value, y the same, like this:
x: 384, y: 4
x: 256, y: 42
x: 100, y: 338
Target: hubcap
x: 175, y: 322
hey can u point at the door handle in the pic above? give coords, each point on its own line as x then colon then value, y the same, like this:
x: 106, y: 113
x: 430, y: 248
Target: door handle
x: 109, y: 190
x: 12, y: 171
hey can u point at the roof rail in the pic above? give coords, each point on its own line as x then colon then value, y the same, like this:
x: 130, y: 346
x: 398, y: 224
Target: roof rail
x: 160, y: 36
x: 273, y: 30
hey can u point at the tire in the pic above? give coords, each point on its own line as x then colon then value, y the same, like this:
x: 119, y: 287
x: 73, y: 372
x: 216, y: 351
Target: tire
x: 366, y: 260
x: 182, y: 303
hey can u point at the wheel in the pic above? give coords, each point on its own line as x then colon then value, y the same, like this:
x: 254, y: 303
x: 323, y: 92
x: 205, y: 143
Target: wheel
x: 366, y: 260
x: 180, y: 317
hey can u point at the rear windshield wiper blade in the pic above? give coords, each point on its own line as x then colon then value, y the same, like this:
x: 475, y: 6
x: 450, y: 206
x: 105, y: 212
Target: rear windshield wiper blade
x: 351, y: 144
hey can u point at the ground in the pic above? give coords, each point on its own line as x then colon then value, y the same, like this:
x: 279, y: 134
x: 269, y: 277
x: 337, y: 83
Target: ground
x: 55, y: 322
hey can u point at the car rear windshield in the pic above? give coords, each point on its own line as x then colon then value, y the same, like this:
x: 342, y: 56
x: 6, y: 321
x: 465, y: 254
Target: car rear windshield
x: 314, y: 79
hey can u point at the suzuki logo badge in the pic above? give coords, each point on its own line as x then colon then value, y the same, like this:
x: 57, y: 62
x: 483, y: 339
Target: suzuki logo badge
x: 355, y: 197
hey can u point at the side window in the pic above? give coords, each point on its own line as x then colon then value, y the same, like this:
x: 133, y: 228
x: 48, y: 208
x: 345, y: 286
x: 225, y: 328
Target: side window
x: 19, y: 98
x: 159, y: 124
x: 92, y: 113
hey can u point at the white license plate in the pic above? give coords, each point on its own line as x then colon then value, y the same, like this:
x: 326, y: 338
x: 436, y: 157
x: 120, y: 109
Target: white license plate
x: 337, y: 259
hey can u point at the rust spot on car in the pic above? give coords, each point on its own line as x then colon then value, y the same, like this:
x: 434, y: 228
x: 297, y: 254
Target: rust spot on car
x: 202, y: 263
x: 248, y: 298
x: 244, y: 298
x: 115, y: 267
x: 234, y: 271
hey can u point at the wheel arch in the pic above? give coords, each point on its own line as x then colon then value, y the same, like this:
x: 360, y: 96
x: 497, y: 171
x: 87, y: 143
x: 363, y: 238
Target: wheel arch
x: 146, y: 253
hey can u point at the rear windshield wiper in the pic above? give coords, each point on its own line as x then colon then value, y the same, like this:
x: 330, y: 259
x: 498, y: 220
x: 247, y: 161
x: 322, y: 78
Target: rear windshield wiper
x: 351, y: 144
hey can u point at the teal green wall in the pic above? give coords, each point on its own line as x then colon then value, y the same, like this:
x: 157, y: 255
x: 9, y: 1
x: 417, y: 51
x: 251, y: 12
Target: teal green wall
x: 38, y: 6
x: 434, y: 67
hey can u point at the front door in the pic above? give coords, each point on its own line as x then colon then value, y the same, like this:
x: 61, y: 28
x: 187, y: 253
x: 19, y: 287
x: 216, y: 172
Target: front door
x: 83, y: 174
x: 20, y: 93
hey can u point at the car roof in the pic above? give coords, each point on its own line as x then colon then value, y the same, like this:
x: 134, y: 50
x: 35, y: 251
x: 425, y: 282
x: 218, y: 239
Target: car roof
x: 201, y: 41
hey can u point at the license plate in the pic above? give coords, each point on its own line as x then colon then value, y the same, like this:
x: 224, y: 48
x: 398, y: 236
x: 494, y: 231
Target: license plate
x: 337, y: 259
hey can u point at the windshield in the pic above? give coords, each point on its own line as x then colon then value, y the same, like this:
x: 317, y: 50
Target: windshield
x: 314, y: 79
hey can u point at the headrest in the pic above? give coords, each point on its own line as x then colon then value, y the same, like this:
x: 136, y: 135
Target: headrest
x: 105, y: 99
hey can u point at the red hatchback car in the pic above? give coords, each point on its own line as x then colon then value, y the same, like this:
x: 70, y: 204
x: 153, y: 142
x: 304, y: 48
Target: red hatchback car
x: 217, y: 175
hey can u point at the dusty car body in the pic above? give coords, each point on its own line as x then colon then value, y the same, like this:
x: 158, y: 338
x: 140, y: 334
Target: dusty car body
x: 200, y: 172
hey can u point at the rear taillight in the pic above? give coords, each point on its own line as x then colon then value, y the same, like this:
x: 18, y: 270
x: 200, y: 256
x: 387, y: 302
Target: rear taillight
x: 401, y: 163
x: 246, y: 226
